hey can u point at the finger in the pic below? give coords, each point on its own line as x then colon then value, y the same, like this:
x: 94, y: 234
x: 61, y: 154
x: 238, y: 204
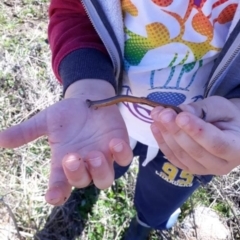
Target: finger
x: 100, y: 169
x: 206, y: 135
x: 121, y: 151
x: 24, y: 132
x: 76, y: 171
x: 59, y: 188
x: 58, y: 193
x: 227, y: 110
x: 186, y: 150
x: 159, y: 130
x: 168, y: 153
x: 203, y: 162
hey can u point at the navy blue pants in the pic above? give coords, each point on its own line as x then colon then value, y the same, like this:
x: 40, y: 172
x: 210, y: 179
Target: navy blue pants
x: 161, y: 188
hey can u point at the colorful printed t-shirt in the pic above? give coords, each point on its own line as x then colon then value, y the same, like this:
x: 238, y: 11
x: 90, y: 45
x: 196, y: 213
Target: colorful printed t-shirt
x: 170, y: 48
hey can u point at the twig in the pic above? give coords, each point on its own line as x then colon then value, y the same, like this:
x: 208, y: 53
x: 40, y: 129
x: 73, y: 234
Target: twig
x: 194, y: 218
x: 13, y: 218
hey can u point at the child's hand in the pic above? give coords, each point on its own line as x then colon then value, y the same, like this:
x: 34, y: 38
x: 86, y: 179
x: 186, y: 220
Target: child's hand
x: 83, y: 141
x: 198, y: 146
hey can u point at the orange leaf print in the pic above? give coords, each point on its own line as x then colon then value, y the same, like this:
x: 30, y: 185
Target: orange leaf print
x: 218, y: 3
x: 163, y: 3
x: 227, y: 14
x: 202, y: 25
x: 128, y: 6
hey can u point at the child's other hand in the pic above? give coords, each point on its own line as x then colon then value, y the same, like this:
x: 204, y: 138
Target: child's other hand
x: 83, y: 141
x: 202, y: 147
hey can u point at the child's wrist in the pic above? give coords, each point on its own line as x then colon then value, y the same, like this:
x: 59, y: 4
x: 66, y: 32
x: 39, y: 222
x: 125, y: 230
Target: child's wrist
x: 94, y: 89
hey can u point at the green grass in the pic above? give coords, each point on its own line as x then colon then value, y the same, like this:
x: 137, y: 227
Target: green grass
x: 27, y: 86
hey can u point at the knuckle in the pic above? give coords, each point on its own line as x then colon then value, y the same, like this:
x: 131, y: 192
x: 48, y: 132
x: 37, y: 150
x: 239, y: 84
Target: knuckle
x: 162, y: 129
x: 220, y: 146
x: 197, y: 132
x: 178, y: 133
x: 196, y: 153
x: 180, y: 154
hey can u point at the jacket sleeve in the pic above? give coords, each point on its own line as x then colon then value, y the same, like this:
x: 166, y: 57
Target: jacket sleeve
x: 77, y: 51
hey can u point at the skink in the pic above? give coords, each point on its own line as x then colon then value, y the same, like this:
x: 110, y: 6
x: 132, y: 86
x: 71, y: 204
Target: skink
x: 124, y: 98
x: 141, y: 100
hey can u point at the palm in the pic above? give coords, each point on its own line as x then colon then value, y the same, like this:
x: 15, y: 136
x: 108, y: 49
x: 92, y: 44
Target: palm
x: 73, y: 127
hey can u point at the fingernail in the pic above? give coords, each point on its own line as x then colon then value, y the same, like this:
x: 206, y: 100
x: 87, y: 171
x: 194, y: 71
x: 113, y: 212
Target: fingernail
x: 53, y: 195
x: 72, y: 164
x: 183, y: 120
x: 118, y: 147
x: 165, y: 117
x: 95, y: 162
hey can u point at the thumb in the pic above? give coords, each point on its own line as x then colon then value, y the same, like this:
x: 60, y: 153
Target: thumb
x: 24, y: 132
x: 212, y: 109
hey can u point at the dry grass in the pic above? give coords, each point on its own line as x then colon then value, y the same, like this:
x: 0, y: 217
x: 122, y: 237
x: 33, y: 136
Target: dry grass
x: 27, y: 86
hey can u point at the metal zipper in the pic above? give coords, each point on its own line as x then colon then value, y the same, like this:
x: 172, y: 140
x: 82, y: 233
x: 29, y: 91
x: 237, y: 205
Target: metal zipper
x: 222, y: 66
x: 103, y: 34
